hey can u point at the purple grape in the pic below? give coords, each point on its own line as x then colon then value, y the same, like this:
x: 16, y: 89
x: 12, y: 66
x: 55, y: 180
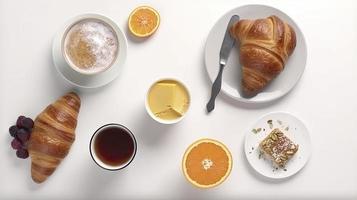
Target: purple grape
x: 23, y: 135
x: 22, y: 153
x: 19, y: 122
x: 16, y: 144
x: 27, y: 123
x: 13, y: 130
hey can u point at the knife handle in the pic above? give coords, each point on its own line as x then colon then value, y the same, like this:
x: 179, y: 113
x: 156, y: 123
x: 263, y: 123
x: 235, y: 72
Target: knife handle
x: 216, y: 87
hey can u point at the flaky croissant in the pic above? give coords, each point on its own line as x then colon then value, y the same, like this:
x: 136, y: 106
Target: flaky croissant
x: 265, y: 45
x: 53, y: 135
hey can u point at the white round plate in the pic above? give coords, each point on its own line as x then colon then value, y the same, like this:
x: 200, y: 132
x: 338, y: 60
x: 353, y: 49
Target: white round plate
x: 89, y: 81
x: 294, y: 129
x: 231, y: 82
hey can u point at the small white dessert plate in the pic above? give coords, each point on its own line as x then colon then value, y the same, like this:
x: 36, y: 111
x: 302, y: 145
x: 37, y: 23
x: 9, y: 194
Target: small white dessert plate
x: 82, y: 80
x: 293, y: 128
x: 231, y: 82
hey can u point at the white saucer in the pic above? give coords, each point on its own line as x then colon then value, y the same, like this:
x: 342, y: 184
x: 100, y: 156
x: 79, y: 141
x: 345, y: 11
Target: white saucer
x: 89, y: 81
x: 297, y: 132
x: 231, y: 82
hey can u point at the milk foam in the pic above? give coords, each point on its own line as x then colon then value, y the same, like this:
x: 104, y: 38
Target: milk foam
x: 91, y: 45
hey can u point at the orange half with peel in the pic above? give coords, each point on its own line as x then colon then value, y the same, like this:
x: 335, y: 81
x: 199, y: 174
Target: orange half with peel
x: 143, y: 21
x: 207, y: 163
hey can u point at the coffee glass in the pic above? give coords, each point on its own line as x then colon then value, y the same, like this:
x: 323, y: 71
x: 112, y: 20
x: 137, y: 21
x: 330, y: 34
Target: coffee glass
x: 113, y: 147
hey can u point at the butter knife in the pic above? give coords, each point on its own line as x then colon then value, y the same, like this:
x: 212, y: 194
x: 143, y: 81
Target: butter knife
x: 227, y: 45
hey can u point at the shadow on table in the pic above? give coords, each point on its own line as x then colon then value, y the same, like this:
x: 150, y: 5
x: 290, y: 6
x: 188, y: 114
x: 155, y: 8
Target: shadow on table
x: 22, y: 166
x: 97, y: 182
x: 94, y: 181
x: 57, y: 82
x: 149, y: 131
x: 185, y: 190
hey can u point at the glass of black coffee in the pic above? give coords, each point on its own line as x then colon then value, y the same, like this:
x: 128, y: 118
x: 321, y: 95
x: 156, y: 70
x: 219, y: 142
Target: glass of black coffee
x: 113, y: 147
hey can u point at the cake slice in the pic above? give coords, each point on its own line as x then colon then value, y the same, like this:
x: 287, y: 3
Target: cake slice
x: 278, y: 148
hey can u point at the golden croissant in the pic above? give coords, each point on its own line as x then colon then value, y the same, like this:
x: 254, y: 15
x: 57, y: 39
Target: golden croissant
x: 265, y: 45
x: 53, y: 135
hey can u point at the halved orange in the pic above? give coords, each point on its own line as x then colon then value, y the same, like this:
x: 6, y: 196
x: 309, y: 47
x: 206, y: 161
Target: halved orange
x: 207, y: 163
x: 143, y: 21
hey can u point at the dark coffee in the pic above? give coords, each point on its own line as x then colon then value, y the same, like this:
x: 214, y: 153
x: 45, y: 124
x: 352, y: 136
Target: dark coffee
x: 114, y: 145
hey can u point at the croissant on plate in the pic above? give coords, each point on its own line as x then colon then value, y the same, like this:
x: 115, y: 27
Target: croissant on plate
x: 265, y: 45
x: 53, y: 135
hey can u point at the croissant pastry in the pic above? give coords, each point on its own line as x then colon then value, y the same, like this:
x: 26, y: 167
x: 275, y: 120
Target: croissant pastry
x: 53, y: 135
x: 265, y: 45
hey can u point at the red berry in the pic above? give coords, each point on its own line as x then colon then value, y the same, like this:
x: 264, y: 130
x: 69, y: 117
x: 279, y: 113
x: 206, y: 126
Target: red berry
x: 27, y: 123
x: 13, y: 130
x: 19, y: 122
x: 23, y: 135
x: 16, y: 144
x: 22, y: 153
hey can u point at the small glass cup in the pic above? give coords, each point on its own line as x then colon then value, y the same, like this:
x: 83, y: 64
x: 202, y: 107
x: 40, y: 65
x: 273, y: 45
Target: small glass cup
x: 94, y: 153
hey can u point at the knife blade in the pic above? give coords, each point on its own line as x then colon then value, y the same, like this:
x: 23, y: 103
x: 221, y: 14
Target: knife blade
x: 228, y: 40
x: 227, y: 45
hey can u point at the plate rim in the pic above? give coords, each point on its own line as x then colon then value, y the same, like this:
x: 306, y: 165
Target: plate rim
x: 247, y: 131
x: 246, y: 100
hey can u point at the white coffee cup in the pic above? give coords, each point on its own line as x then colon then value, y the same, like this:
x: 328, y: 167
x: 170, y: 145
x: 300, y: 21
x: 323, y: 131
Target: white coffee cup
x: 104, y: 23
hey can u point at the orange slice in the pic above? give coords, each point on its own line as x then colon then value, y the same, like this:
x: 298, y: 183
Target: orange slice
x: 207, y: 163
x: 144, y: 21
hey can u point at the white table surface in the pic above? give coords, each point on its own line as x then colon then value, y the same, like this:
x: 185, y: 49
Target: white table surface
x: 325, y: 99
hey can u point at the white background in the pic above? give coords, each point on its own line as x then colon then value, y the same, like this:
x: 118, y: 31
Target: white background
x: 325, y: 99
